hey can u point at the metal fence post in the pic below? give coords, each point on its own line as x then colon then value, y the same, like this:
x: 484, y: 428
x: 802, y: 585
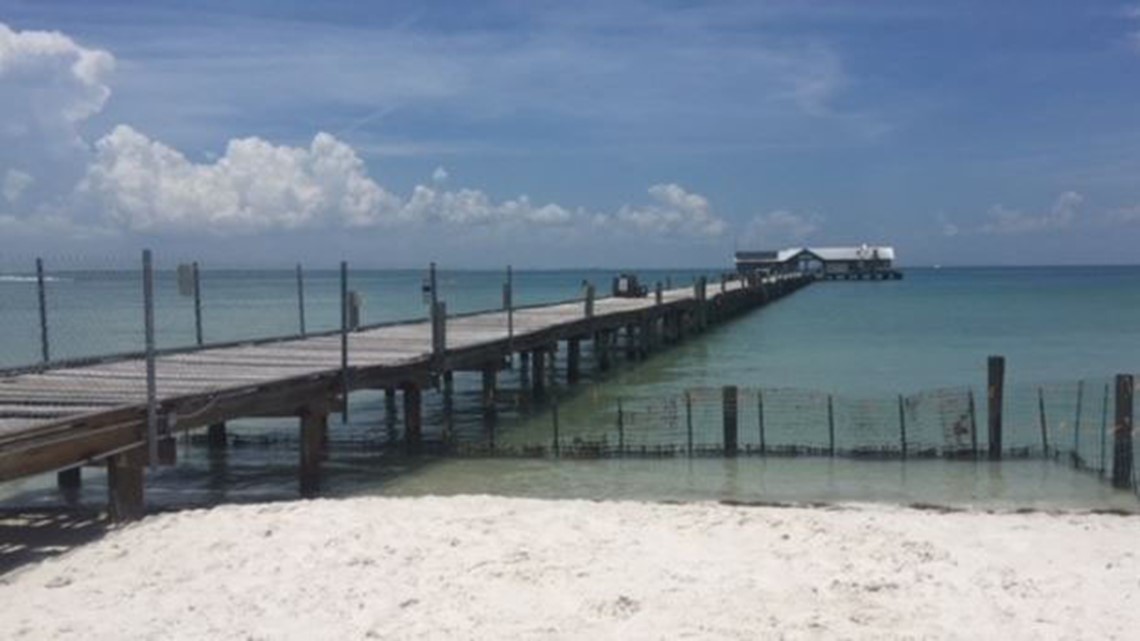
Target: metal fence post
x: 151, y: 382
x: 45, y: 351
x: 301, y: 298
x: 197, y: 303
x: 344, y: 338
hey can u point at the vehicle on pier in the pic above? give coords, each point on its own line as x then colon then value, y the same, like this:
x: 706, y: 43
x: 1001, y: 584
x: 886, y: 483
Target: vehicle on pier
x: 627, y: 286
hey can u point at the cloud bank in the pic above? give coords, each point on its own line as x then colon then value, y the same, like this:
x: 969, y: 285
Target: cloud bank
x: 127, y: 182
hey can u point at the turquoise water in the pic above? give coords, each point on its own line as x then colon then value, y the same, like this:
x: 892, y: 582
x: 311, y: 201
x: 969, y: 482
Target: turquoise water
x: 855, y: 340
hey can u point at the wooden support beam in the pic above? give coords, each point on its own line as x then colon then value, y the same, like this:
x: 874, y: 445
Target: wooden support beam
x: 390, y: 402
x: 448, y: 391
x: 70, y: 479
x: 538, y: 377
x: 524, y: 368
x: 216, y: 438
x: 126, y: 472
x: 573, y: 358
x: 490, y: 376
x: 602, y: 350
x: 413, y: 417
x: 314, y: 426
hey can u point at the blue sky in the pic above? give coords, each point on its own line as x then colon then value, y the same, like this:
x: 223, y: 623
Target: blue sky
x: 569, y: 134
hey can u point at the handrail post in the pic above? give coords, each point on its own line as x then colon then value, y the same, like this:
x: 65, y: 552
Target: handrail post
x: 509, y: 305
x: 151, y: 374
x: 301, y: 298
x: 197, y: 303
x: 344, y: 383
x: 45, y: 350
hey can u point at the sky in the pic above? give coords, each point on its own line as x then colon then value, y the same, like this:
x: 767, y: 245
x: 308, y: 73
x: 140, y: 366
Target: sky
x: 553, y: 134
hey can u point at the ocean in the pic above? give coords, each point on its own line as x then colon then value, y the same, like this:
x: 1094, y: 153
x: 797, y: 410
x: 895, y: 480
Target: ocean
x: 863, y: 343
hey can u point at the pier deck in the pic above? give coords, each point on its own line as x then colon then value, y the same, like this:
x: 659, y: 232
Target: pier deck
x: 61, y: 416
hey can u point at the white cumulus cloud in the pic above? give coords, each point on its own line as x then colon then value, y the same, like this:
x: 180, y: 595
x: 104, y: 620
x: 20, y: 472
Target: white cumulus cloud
x: 144, y: 185
x: 673, y: 211
x: 1013, y: 221
x: 128, y: 181
x: 49, y: 84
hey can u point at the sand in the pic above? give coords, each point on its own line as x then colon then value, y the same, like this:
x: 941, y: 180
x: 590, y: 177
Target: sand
x: 499, y: 568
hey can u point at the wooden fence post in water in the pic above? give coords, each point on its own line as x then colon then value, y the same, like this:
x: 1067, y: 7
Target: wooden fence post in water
x: 973, y: 423
x: 1077, y: 422
x: 730, y: 404
x: 902, y: 426
x: 1104, y: 433
x: 760, y: 420
x: 1042, y: 421
x: 554, y: 420
x: 995, y: 394
x: 830, y: 426
x: 689, y: 421
x: 1122, y: 434
x: 621, y: 429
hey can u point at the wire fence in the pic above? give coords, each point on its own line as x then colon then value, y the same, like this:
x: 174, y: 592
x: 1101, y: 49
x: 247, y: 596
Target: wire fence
x: 1072, y: 423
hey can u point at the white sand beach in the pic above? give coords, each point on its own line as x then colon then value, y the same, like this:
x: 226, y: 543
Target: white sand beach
x: 500, y: 568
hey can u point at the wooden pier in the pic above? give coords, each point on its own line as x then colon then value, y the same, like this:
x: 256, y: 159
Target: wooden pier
x: 61, y: 416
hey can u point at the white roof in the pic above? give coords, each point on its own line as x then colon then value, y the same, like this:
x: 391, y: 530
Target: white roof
x: 862, y: 252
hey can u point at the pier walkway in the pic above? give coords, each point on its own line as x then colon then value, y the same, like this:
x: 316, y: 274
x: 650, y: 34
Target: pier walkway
x: 60, y: 416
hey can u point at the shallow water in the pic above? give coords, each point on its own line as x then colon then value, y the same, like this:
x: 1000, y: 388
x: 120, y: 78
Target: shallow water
x: 857, y: 341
